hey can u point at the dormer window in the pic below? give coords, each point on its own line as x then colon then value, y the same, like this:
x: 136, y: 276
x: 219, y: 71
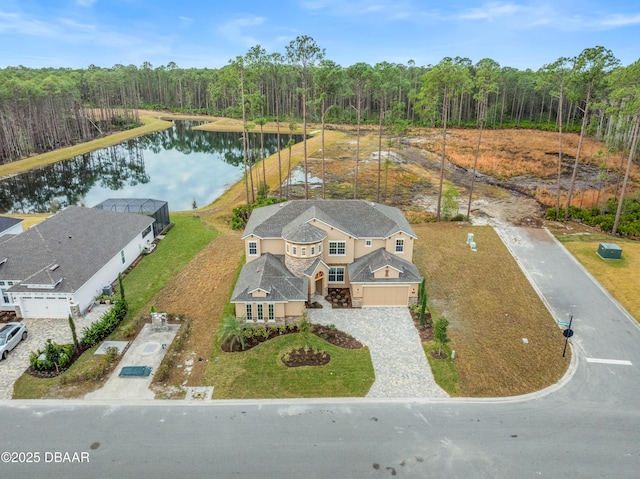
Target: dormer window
x: 253, y: 248
x: 368, y: 243
x: 400, y: 245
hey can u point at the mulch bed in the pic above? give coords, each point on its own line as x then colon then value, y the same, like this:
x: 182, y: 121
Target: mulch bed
x: 301, y: 357
x: 339, y: 297
x: 7, y: 316
x: 332, y: 336
x: 426, y: 333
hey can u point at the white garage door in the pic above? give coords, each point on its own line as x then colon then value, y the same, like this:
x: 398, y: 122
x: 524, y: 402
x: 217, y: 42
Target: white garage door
x: 45, y: 307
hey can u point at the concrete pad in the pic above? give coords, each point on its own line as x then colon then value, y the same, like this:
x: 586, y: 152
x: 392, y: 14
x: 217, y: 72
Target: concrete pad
x: 147, y: 350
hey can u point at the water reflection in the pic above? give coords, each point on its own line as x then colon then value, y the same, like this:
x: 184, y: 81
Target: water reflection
x: 177, y: 165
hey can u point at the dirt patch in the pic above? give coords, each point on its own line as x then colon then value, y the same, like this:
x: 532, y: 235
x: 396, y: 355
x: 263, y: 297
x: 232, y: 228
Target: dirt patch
x: 201, y: 291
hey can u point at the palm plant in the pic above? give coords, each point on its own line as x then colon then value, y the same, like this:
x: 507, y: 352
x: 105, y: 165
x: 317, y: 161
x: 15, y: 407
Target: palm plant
x: 232, y: 332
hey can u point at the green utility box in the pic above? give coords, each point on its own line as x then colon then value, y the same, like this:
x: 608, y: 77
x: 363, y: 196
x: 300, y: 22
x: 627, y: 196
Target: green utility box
x: 609, y: 251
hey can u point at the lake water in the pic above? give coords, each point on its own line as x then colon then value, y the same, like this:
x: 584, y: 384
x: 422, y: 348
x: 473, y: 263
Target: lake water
x: 176, y: 165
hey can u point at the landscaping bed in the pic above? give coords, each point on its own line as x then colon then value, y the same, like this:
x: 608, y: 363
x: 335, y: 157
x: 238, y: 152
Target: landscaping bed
x: 339, y: 297
x: 261, y: 334
x: 305, y: 357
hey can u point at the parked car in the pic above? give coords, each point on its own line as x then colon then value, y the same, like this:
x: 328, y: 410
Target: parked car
x: 10, y: 335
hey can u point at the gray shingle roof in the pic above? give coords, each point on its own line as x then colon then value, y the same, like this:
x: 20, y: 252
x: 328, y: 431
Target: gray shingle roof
x: 303, y: 234
x: 269, y: 274
x: 6, y: 222
x: 79, y: 240
x: 357, y: 218
x: 361, y: 270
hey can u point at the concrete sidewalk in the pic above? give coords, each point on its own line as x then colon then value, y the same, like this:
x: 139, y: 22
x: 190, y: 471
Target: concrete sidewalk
x: 146, y: 350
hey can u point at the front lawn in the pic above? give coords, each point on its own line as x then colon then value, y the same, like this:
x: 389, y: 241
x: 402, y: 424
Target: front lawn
x: 259, y: 373
x: 491, y: 307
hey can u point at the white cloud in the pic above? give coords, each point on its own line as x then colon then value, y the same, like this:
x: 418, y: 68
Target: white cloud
x: 491, y: 11
x: 15, y: 23
x: 185, y: 21
x: 620, y: 20
x: 234, y: 30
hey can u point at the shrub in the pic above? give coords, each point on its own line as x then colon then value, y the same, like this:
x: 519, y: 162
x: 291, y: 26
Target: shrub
x: 107, y: 323
x: 54, y: 357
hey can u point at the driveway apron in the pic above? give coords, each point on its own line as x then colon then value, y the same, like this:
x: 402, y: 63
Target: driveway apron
x: 399, y: 362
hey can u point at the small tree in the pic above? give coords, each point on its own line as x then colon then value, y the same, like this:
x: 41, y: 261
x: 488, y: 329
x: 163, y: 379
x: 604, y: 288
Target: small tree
x: 423, y: 310
x: 440, y: 333
x: 72, y: 325
x: 120, y: 286
x: 232, y: 332
x: 194, y: 207
x: 304, y: 328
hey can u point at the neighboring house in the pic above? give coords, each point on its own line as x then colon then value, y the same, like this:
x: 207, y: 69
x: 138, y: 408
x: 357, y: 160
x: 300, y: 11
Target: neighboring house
x: 59, y: 266
x: 10, y: 226
x: 299, y: 248
x: 157, y: 209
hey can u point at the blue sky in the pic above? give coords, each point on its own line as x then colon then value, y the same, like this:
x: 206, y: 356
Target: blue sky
x: 197, y: 33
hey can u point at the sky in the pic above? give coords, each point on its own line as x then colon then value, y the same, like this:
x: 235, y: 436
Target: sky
x: 208, y: 33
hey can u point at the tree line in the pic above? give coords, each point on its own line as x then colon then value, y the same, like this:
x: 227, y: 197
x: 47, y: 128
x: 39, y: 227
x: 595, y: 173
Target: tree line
x: 589, y: 94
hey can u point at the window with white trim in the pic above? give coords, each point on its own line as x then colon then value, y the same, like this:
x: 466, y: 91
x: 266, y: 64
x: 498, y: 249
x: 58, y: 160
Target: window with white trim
x: 287, y: 247
x: 313, y: 251
x: 368, y: 243
x: 260, y: 313
x: 336, y: 274
x: 337, y: 248
x: 249, y: 312
x: 320, y: 248
x: 400, y: 245
x: 295, y: 250
x: 304, y: 251
x: 253, y: 248
x: 272, y: 312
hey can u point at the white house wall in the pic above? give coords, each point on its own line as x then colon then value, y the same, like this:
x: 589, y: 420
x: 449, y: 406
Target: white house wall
x: 108, y: 273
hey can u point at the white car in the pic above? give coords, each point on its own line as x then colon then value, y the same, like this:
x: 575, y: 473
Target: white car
x: 10, y: 335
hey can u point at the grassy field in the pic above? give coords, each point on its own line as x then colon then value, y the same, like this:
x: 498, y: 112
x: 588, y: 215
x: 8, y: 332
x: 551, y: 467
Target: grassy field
x: 619, y: 277
x: 491, y: 306
x: 259, y: 372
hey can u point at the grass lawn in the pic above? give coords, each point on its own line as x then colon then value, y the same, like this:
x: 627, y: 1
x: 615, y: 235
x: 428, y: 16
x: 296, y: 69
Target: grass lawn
x: 444, y: 370
x: 491, y: 306
x: 259, y: 372
x: 619, y: 277
x: 182, y: 243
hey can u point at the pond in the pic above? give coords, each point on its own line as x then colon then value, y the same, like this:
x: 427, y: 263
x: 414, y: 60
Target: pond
x: 177, y: 165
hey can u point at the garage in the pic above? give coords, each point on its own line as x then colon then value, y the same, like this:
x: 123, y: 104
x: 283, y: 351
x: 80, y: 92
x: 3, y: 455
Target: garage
x: 385, y: 295
x: 44, y: 307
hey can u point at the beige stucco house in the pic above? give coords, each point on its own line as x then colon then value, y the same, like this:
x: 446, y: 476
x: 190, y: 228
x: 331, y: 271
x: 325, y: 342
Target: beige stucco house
x: 300, y: 248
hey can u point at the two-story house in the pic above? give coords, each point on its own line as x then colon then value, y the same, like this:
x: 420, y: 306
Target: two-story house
x: 299, y: 248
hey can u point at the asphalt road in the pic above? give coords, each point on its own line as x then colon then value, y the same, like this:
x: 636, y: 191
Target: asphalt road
x: 585, y: 427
